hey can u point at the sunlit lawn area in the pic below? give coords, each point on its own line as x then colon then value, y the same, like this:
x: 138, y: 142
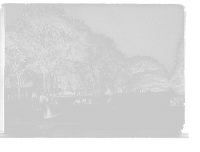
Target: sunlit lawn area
x: 131, y: 116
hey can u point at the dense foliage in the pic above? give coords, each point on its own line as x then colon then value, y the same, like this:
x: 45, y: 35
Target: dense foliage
x: 64, y: 53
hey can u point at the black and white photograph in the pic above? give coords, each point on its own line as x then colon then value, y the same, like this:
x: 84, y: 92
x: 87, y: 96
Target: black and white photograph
x: 93, y: 71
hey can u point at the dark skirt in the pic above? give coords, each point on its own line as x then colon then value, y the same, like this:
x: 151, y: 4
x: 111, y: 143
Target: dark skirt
x: 46, y: 112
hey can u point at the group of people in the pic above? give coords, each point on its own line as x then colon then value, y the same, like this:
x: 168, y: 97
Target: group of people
x: 47, y: 102
x: 109, y: 99
x: 177, y: 101
x: 141, y: 92
x: 44, y: 103
x: 80, y: 100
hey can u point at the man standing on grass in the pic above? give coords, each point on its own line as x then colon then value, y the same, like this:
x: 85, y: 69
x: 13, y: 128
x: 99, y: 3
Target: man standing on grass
x: 109, y: 96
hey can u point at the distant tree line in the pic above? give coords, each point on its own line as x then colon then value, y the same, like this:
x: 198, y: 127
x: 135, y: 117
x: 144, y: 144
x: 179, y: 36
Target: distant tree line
x: 58, y: 50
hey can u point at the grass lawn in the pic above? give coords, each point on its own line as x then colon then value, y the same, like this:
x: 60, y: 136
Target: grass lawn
x: 131, y: 116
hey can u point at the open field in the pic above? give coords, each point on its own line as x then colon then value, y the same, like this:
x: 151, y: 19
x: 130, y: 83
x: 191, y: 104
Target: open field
x: 126, y: 116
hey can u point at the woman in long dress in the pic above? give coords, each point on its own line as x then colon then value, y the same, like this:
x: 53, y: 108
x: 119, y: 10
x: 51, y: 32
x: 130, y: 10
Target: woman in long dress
x: 109, y: 97
x: 35, y: 104
x: 46, y: 112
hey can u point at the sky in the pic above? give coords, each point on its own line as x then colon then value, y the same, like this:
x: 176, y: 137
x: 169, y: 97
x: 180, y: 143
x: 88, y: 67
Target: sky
x: 152, y: 30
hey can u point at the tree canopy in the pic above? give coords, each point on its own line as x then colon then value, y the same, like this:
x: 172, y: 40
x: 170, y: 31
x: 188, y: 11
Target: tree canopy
x: 102, y: 60
x: 154, y: 80
x: 50, y: 38
x: 64, y: 51
x: 143, y: 73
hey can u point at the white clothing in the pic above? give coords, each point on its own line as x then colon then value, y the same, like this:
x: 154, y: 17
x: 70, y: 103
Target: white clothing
x: 83, y: 101
x: 54, y: 95
x: 182, y: 102
x: 43, y: 98
x: 34, y: 95
x: 177, y: 101
x: 77, y: 102
x: 108, y: 92
x: 78, y: 94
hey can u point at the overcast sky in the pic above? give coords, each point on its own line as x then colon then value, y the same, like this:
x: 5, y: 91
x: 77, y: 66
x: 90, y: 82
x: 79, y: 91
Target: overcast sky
x: 152, y: 30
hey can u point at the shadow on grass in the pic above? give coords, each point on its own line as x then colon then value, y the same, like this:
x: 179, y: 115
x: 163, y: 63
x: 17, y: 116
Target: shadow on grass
x: 42, y: 127
x: 113, y: 107
x: 45, y: 125
x: 54, y: 115
x: 66, y: 96
x: 156, y: 94
x: 148, y: 94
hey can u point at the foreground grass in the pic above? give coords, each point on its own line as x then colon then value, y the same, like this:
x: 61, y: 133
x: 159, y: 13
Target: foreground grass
x: 132, y: 116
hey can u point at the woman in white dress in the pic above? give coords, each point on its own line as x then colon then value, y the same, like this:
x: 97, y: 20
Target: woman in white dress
x: 46, y: 112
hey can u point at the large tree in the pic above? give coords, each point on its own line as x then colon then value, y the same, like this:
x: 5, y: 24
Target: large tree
x: 114, y: 68
x: 102, y: 60
x: 177, y: 73
x: 155, y: 80
x: 140, y: 64
x: 49, y: 38
x: 15, y: 57
x: 68, y: 76
x: 143, y: 73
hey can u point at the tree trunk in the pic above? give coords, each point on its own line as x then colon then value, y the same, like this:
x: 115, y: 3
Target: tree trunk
x: 62, y: 91
x: 62, y: 81
x: 13, y: 83
x: 122, y: 86
x: 14, y: 89
x: 44, y: 83
x: 55, y: 85
x: 18, y: 86
x: 99, y: 87
x: 51, y: 84
x: 93, y: 88
x: 95, y: 84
